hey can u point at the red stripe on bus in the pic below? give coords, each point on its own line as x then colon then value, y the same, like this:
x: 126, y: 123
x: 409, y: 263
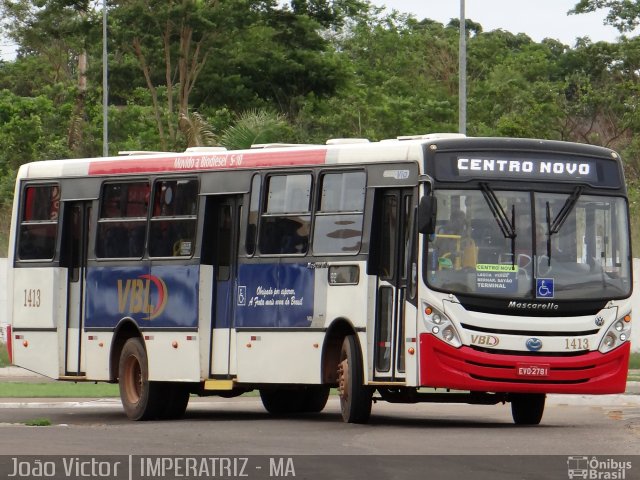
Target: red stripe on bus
x: 212, y: 161
x: 9, y: 344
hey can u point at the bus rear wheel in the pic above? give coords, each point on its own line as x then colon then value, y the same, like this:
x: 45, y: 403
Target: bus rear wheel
x: 304, y: 399
x: 527, y: 408
x: 140, y: 398
x: 355, y: 397
x: 176, y: 398
x: 314, y: 398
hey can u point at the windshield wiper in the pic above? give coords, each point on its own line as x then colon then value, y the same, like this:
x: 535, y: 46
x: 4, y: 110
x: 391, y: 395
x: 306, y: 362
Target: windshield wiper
x: 555, y: 226
x: 507, y: 227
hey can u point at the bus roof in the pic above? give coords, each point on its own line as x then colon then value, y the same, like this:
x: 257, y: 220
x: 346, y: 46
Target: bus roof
x: 337, y: 151
x: 190, y: 161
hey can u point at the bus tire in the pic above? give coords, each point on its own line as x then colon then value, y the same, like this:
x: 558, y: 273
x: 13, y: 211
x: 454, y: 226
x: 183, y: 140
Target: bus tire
x: 176, y: 398
x: 314, y: 398
x: 141, y: 399
x: 527, y: 408
x: 355, y: 397
x: 286, y: 401
x: 281, y: 401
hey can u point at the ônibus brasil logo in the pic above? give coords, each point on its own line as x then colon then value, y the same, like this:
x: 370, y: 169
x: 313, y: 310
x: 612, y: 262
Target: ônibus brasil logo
x: 134, y: 296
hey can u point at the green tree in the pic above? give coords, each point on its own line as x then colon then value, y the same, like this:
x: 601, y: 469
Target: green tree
x: 171, y: 41
x: 57, y: 31
x: 622, y: 14
x: 514, y: 87
x: 403, y: 76
x: 255, y: 127
x: 277, y: 59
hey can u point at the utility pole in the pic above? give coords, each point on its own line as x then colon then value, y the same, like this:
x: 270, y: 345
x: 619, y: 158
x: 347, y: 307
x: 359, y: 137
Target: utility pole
x: 462, y: 73
x: 105, y: 84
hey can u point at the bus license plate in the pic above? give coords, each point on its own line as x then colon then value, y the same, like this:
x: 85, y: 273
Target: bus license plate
x: 529, y: 370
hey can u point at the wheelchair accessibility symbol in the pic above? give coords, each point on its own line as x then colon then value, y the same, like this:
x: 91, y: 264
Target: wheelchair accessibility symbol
x: 544, y: 287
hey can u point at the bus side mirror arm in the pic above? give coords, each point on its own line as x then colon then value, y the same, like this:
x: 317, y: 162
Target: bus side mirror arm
x: 427, y: 212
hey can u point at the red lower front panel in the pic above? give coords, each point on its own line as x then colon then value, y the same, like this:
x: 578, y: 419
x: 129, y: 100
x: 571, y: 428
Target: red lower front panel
x: 444, y: 366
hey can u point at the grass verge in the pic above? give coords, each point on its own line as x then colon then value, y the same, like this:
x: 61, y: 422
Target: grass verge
x: 38, y: 422
x: 634, y: 361
x: 57, y: 390
x: 4, y: 355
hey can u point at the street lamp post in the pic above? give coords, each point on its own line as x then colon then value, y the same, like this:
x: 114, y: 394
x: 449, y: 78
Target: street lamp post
x: 462, y: 73
x: 105, y: 84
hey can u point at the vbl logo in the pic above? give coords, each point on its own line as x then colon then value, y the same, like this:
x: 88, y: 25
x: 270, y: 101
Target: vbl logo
x: 487, y: 340
x: 134, y: 296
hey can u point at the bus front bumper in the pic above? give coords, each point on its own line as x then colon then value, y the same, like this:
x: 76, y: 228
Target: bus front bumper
x: 443, y: 366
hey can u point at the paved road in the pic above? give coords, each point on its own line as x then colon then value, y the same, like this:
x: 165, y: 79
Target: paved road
x: 571, y: 426
x: 486, y: 443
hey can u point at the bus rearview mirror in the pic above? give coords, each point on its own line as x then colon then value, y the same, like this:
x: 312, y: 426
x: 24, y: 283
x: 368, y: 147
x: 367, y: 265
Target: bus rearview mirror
x: 427, y: 211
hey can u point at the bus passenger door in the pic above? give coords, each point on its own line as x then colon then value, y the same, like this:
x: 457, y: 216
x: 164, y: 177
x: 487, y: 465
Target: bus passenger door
x: 390, y: 247
x: 76, y: 224
x: 222, y: 221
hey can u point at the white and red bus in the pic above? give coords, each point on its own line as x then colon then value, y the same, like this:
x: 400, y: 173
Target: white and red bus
x: 430, y: 268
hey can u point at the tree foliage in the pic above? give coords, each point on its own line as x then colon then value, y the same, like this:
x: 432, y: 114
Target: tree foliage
x: 622, y: 14
x: 201, y: 72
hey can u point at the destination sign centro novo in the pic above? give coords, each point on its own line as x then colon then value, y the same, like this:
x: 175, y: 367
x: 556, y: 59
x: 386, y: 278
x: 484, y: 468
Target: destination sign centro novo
x: 526, y: 168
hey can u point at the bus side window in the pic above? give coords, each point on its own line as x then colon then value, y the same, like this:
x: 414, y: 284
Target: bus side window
x: 254, y: 210
x: 339, y: 218
x: 285, y: 221
x: 39, y: 224
x: 173, y: 224
x: 122, y: 221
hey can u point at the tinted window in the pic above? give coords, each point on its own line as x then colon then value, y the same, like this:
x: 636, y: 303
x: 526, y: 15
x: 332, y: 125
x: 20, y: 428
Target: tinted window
x: 284, y: 226
x: 254, y: 210
x: 122, y: 222
x: 173, y: 224
x: 39, y: 222
x: 338, y: 225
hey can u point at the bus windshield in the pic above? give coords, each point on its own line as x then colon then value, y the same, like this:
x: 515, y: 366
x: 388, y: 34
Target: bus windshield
x: 529, y: 245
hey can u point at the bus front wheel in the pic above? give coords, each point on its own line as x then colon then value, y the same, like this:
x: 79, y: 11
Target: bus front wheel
x: 141, y: 398
x: 355, y: 397
x: 527, y: 408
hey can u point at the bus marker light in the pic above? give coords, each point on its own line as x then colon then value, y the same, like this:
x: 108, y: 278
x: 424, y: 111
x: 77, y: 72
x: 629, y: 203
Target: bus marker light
x: 101, y: 344
x: 428, y: 310
x: 411, y: 350
x: 248, y: 345
x: 174, y: 344
x: 627, y: 318
x: 25, y: 344
x: 315, y: 345
x: 19, y: 337
x: 191, y: 337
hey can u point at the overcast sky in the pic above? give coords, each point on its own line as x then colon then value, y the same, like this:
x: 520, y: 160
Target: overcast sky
x: 539, y: 18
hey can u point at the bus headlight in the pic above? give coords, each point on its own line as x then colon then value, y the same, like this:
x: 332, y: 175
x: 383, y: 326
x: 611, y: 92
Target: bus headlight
x: 439, y: 325
x: 617, y: 334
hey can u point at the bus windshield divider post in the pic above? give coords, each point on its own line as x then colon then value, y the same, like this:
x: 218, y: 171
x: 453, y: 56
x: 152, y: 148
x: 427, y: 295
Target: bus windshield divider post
x: 563, y: 214
x: 507, y: 227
